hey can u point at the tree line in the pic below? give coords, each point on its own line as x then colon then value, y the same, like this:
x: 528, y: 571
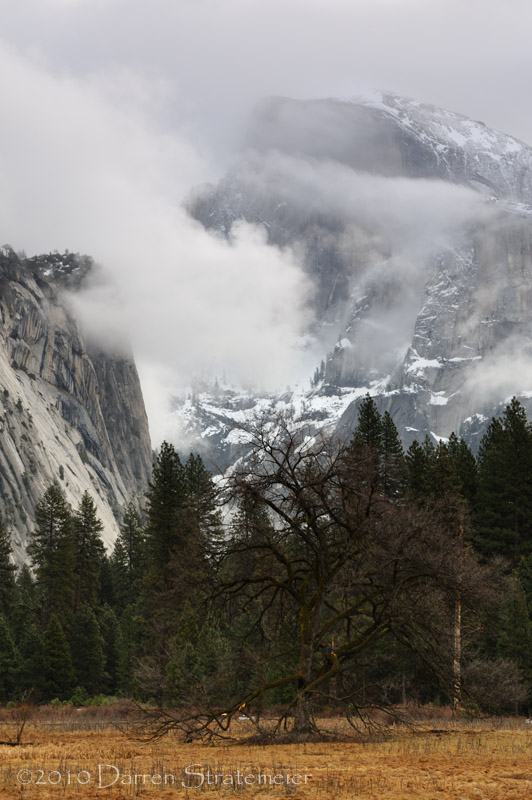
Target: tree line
x: 322, y: 575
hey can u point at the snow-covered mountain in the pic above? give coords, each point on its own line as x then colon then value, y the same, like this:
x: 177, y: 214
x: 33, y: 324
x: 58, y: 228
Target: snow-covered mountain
x: 415, y: 225
x: 68, y: 412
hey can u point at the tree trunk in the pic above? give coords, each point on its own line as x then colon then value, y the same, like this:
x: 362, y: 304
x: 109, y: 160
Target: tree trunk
x: 303, y: 713
x: 457, y: 655
x: 457, y: 634
x: 333, y: 691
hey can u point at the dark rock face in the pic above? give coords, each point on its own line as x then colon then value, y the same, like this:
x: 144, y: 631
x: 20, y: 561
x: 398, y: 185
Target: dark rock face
x: 436, y: 325
x: 68, y: 414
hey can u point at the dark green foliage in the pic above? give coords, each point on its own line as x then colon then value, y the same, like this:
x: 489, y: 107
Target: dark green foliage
x: 376, y: 443
x: 9, y: 663
x: 130, y: 649
x: 86, y: 645
x: 417, y: 460
x: 393, y: 458
x: 89, y: 552
x: 368, y: 432
x: 465, y: 467
x: 165, y: 501
x: 107, y: 584
x: 112, y: 648
x: 515, y: 637
x: 26, y: 608
x: 58, y: 671
x: 128, y: 561
x: 31, y: 676
x: 7, y: 571
x: 52, y: 555
x: 441, y: 470
x: 504, y: 495
x: 524, y: 575
x: 202, y: 505
x: 191, y: 612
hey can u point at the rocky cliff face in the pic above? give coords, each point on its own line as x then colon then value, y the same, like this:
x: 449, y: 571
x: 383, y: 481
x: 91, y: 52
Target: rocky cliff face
x: 416, y: 226
x: 68, y: 413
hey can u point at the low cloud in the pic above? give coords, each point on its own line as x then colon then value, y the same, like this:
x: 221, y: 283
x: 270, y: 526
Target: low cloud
x: 83, y: 173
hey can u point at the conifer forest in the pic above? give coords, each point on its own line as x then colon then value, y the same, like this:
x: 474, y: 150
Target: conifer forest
x: 324, y: 576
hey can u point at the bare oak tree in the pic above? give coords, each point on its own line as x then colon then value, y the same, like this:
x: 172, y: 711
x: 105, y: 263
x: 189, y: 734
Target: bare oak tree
x: 319, y: 542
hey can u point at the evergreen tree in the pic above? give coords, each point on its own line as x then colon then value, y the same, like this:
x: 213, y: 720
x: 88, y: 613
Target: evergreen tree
x: 51, y: 552
x: 166, y: 498
x: 58, y: 671
x: 524, y: 576
x: 465, y: 467
x: 9, y: 663
x: 32, y: 670
x: 7, y: 572
x: 515, y: 636
x: 25, y: 609
x: 128, y: 561
x: 107, y: 582
x: 89, y: 552
x: 393, y: 459
x: 368, y: 433
x: 130, y: 648
x: 504, y: 495
x: 202, y: 507
x: 112, y: 648
x: 417, y: 459
x: 86, y: 645
x: 442, y: 478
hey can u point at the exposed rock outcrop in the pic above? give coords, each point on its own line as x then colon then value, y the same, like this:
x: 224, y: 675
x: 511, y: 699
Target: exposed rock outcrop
x: 68, y: 414
x: 432, y: 316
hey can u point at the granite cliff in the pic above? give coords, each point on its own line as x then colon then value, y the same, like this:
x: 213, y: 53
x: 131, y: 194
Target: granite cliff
x: 415, y: 224
x: 68, y: 412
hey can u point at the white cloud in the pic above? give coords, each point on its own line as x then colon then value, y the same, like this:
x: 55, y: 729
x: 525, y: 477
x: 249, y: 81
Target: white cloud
x: 81, y: 173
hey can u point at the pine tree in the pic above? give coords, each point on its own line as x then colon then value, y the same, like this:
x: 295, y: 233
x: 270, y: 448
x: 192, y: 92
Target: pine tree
x: 367, y: 445
x: 32, y: 670
x: 86, y: 645
x: 89, y: 552
x: 128, y: 561
x: 368, y: 433
x: 524, y: 575
x: 58, y: 671
x: 393, y: 459
x: 25, y: 609
x: 504, y: 495
x: 112, y: 648
x: 107, y: 582
x: 202, y: 507
x: 7, y: 572
x: 442, y: 478
x: 166, y: 498
x: 417, y: 460
x: 9, y: 663
x: 465, y: 467
x: 515, y: 637
x: 130, y: 648
x: 51, y: 552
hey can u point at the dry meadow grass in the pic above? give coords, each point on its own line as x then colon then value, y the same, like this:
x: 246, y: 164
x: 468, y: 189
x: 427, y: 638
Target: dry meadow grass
x: 442, y: 758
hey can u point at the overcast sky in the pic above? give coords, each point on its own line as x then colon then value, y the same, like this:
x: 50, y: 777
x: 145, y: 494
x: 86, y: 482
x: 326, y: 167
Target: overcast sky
x: 113, y: 109
x: 211, y: 59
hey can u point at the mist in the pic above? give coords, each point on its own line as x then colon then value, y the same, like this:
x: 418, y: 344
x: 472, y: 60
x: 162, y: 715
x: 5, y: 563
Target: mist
x: 88, y: 176
x: 387, y: 232
x: 113, y: 111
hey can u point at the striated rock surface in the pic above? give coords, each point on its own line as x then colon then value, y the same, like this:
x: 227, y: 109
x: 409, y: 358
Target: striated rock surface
x: 68, y: 413
x: 415, y: 224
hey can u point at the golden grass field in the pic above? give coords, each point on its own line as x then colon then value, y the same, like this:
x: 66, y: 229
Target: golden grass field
x: 460, y: 760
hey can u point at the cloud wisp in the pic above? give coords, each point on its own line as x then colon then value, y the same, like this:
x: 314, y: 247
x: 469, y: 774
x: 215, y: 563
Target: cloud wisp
x: 81, y: 173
